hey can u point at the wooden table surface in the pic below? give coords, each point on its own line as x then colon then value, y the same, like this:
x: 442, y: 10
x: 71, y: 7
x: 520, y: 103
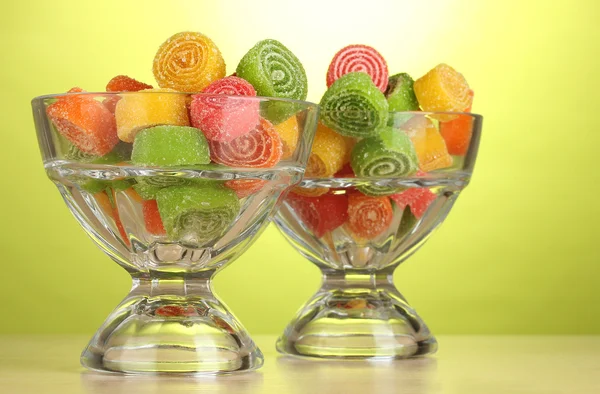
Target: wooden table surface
x: 463, y: 365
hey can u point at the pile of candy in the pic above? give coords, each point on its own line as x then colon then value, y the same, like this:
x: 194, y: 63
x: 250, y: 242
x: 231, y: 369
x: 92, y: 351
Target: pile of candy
x: 370, y: 127
x: 170, y: 126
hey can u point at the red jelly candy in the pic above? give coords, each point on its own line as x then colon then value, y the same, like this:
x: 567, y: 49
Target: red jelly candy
x: 260, y: 148
x: 224, y: 119
x: 320, y: 214
x: 123, y: 83
x: 85, y: 122
x: 154, y: 224
x: 369, y: 216
x: 245, y: 187
x: 359, y: 58
x: 417, y: 198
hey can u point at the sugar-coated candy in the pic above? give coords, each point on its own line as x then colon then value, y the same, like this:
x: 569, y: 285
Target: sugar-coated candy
x: 327, y: 153
x: 123, y: 83
x: 85, y: 122
x: 197, y: 213
x: 152, y: 107
x: 245, y: 187
x: 320, y: 214
x: 288, y: 133
x: 225, y: 118
x: 368, y: 216
x: 91, y: 185
x: 429, y: 145
x: 188, y: 62
x: 274, y: 71
x: 401, y: 94
x: 457, y: 134
x: 152, y: 220
x: 417, y: 199
x: 389, y: 154
x: 443, y: 89
x: 359, y: 58
x: 260, y: 148
x: 170, y: 146
x: 353, y: 106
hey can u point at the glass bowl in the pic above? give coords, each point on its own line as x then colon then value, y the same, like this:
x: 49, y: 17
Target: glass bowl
x: 169, y: 214
x: 357, y: 230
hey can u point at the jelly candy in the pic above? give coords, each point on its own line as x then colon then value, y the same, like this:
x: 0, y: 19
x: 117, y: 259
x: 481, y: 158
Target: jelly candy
x: 85, y: 122
x: 152, y: 220
x: 320, y: 214
x: 400, y: 93
x: 260, y: 148
x: 359, y: 58
x: 188, y: 62
x: 245, y: 187
x: 123, y: 83
x: 443, y: 89
x: 170, y: 146
x: 353, y: 106
x: 417, y: 198
x: 135, y: 112
x: 288, y: 133
x: 197, y: 213
x: 225, y: 118
x: 429, y: 144
x: 368, y: 216
x: 327, y: 154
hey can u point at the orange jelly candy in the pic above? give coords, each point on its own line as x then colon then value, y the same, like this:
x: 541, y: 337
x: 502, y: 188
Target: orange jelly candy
x: 457, y: 133
x: 85, y: 122
x: 369, y: 216
x: 123, y: 83
x: 429, y: 145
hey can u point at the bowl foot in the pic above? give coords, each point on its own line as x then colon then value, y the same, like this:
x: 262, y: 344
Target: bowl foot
x: 190, y: 334
x: 357, y: 322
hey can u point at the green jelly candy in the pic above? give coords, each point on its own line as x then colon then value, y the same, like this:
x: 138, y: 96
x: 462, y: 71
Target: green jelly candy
x: 400, y: 93
x: 407, y: 223
x: 389, y: 154
x: 353, y: 106
x: 377, y: 190
x: 197, y: 213
x: 170, y: 146
x: 274, y: 71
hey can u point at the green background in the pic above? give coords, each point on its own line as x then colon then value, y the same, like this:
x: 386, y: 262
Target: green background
x: 516, y: 254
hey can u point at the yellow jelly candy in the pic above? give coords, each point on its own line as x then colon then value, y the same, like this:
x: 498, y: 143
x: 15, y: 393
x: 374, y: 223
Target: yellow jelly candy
x: 429, y: 145
x: 288, y: 132
x: 188, y: 62
x: 327, y: 155
x: 443, y: 89
x: 148, y: 108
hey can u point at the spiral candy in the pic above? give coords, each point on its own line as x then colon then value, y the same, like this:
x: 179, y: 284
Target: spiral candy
x: 188, y: 62
x: 359, y: 58
x: 368, y: 217
x: 197, y: 213
x: 225, y: 118
x: 260, y: 148
x: 354, y: 107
